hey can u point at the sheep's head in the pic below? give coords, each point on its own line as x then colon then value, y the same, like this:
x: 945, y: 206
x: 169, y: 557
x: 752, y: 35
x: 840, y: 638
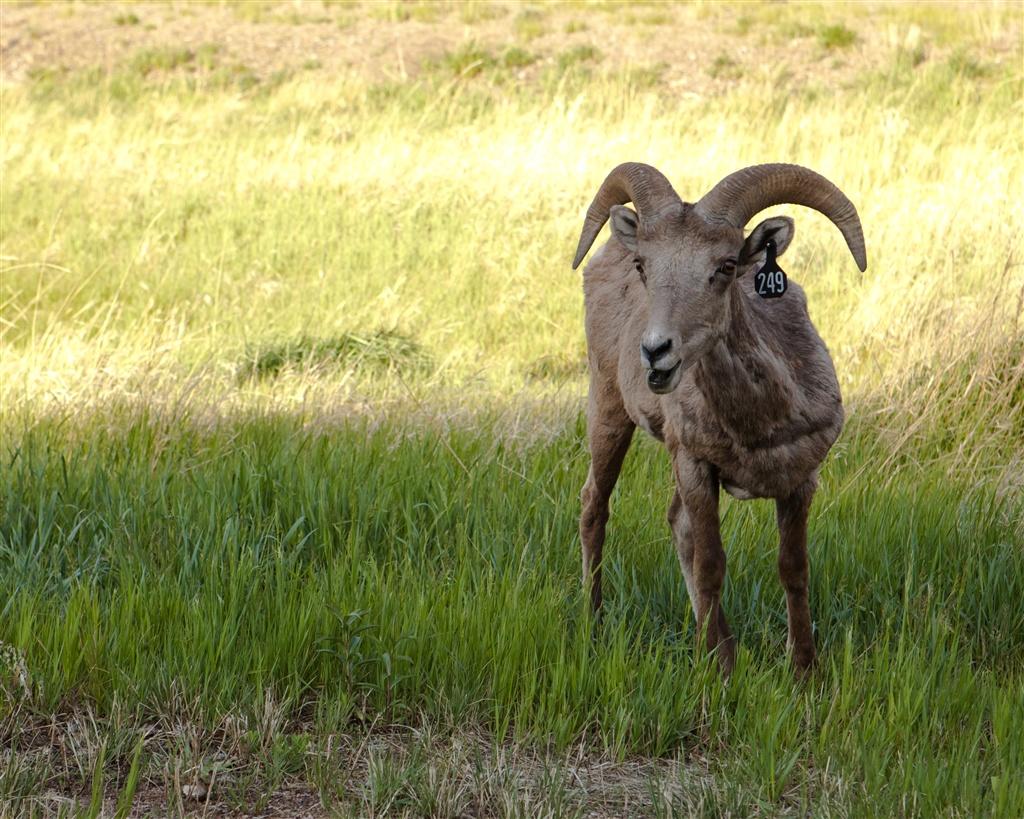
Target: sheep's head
x: 689, y: 256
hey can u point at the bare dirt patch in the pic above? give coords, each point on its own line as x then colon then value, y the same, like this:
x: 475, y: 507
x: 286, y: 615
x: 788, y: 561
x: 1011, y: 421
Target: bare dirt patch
x: 692, y: 49
x: 398, y: 771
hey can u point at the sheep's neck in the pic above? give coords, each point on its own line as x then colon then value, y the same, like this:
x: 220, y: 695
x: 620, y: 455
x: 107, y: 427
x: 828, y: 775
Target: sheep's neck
x: 747, y: 385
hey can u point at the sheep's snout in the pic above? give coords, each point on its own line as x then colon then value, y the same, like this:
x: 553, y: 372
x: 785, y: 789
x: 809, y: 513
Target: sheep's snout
x: 658, y: 352
x: 659, y: 355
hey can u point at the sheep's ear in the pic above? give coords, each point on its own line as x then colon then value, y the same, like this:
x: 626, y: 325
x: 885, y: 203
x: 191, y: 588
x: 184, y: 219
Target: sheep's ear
x: 778, y: 228
x: 624, y: 226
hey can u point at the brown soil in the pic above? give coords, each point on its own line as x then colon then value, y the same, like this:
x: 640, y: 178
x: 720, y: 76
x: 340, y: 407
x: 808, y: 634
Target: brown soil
x: 697, y: 49
x: 476, y: 779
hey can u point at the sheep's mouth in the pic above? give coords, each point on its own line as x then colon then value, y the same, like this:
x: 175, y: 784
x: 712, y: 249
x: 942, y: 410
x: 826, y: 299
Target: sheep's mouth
x: 662, y: 381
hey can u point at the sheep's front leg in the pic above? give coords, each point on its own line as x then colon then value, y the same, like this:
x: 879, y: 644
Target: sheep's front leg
x: 683, y: 534
x: 698, y: 489
x: 609, y: 434
x: 791, y: 513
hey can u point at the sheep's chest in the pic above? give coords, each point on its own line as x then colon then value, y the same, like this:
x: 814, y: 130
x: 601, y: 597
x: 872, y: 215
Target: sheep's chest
x: 768, y: 469
x: 751, y: 463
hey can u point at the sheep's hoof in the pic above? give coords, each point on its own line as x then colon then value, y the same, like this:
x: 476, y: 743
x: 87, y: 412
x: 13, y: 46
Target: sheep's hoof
x: 726, y: 655
x: 804, y: 660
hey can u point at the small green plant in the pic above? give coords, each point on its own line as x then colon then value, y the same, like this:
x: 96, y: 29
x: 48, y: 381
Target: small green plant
x: 400, y: 11
x: 477, y: 11
x: 383, y: 349
x: 165, y: 58
x: 530, y: 24
x: 297, y: 18
x: 126, y: 797
x: 836, y: 36
x: 516, y: 57
x: 657, y: 18
x: 22, y: 775
x: 253, y: 11
x: 385, y: 784
x: 206, y: 56
x: 967, y: 65
x: 468, y: 60
x: 578, y: 55
x: 645, y: 78
x: 15, y: 679
x: 127, y: 19
x: 724, y: 67
x: 391, y: 12
x: 910, y: 58
x: 795, y: 30
x: 231, y: 77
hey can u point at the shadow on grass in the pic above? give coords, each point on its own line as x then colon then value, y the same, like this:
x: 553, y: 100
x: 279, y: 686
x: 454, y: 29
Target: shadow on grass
x: 379, y: 350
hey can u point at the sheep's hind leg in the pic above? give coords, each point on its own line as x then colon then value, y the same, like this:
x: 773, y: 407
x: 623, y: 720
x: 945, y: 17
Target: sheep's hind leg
x: 791, y: 513
x: 609, y: 437
x: 698, y: 492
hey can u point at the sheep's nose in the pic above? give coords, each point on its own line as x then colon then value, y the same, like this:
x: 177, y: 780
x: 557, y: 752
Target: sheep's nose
x: 651, y: 352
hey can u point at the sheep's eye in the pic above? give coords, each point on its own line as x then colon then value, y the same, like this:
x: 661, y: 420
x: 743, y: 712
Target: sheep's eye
x: 640, y: 269
x: 728, y: 267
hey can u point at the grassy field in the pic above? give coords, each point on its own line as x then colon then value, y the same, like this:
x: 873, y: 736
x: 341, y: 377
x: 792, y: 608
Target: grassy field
x: 292, y: 379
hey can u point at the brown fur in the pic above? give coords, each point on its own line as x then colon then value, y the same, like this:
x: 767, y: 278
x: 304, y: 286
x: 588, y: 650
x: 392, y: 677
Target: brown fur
x: 755, y: 410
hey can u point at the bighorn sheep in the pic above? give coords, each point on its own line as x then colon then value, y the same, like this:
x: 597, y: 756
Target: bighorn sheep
x: 740, y: 389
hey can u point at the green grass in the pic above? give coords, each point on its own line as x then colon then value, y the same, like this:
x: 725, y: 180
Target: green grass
x: 399, y: 575
x: 578, y: 55
x: 530, y: 24
x: 724, y: 67
x: 468, y: 60
x: 515, y: 57
x: 292, y: 440
x: 836, y: 36
x: 161, y: 59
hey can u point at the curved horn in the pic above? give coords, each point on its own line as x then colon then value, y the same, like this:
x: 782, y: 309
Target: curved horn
x: 635, y: 182
x: 742, y: 194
